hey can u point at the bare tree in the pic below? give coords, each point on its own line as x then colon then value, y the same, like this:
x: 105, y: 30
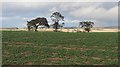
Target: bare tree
x: 56, y: 17
x: 87, y: 25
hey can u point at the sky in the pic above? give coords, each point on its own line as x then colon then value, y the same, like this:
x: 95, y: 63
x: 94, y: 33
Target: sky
x: 16, y: 14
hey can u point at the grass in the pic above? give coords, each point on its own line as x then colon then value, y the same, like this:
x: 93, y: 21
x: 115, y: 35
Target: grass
x: 52, y: 48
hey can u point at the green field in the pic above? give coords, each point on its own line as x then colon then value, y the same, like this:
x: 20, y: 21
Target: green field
x: 48, y: 48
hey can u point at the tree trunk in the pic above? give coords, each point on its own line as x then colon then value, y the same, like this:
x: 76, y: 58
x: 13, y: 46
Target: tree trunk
x: 87, y: 29
x: 56, y: 26
x: 28, y: 28
x: 36, y: 28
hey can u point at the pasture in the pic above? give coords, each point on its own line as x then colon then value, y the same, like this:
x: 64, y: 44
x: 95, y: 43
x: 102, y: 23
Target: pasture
x: 64, y: 48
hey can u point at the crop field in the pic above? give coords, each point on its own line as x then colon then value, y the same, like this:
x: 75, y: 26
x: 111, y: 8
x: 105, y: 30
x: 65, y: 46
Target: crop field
x: 59, y: 48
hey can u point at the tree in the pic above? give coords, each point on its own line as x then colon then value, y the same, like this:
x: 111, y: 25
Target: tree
x: 87, y: 25
x: 34, y: 23
x: 56, y: 17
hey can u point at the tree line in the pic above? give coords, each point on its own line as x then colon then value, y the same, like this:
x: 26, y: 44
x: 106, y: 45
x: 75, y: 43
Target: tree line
x: 56, y: 17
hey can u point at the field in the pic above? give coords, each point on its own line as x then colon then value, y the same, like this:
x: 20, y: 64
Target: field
x: 64, y: 48
x: 68, y: 30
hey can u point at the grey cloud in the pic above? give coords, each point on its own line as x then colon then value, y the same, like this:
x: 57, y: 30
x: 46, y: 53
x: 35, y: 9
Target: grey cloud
x: 12, y: 9
x: 29, y: 10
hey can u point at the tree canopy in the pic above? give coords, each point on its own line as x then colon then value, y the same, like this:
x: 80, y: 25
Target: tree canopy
x: 86, y: 25
x: 56, y: 17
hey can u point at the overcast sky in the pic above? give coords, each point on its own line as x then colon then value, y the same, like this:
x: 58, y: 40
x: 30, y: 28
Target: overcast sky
x: 15, y: 14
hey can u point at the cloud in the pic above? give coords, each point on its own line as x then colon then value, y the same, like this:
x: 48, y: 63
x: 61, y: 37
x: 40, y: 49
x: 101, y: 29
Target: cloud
x: 60, y: 0
x: 96, y: 13
x: 25, y: 9
x: 53, y: 9
x: 17, y: 13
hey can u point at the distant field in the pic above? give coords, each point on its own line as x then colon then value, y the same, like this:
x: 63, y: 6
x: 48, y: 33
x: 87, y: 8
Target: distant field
x: 46, y: 48
x: 69, y: 30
